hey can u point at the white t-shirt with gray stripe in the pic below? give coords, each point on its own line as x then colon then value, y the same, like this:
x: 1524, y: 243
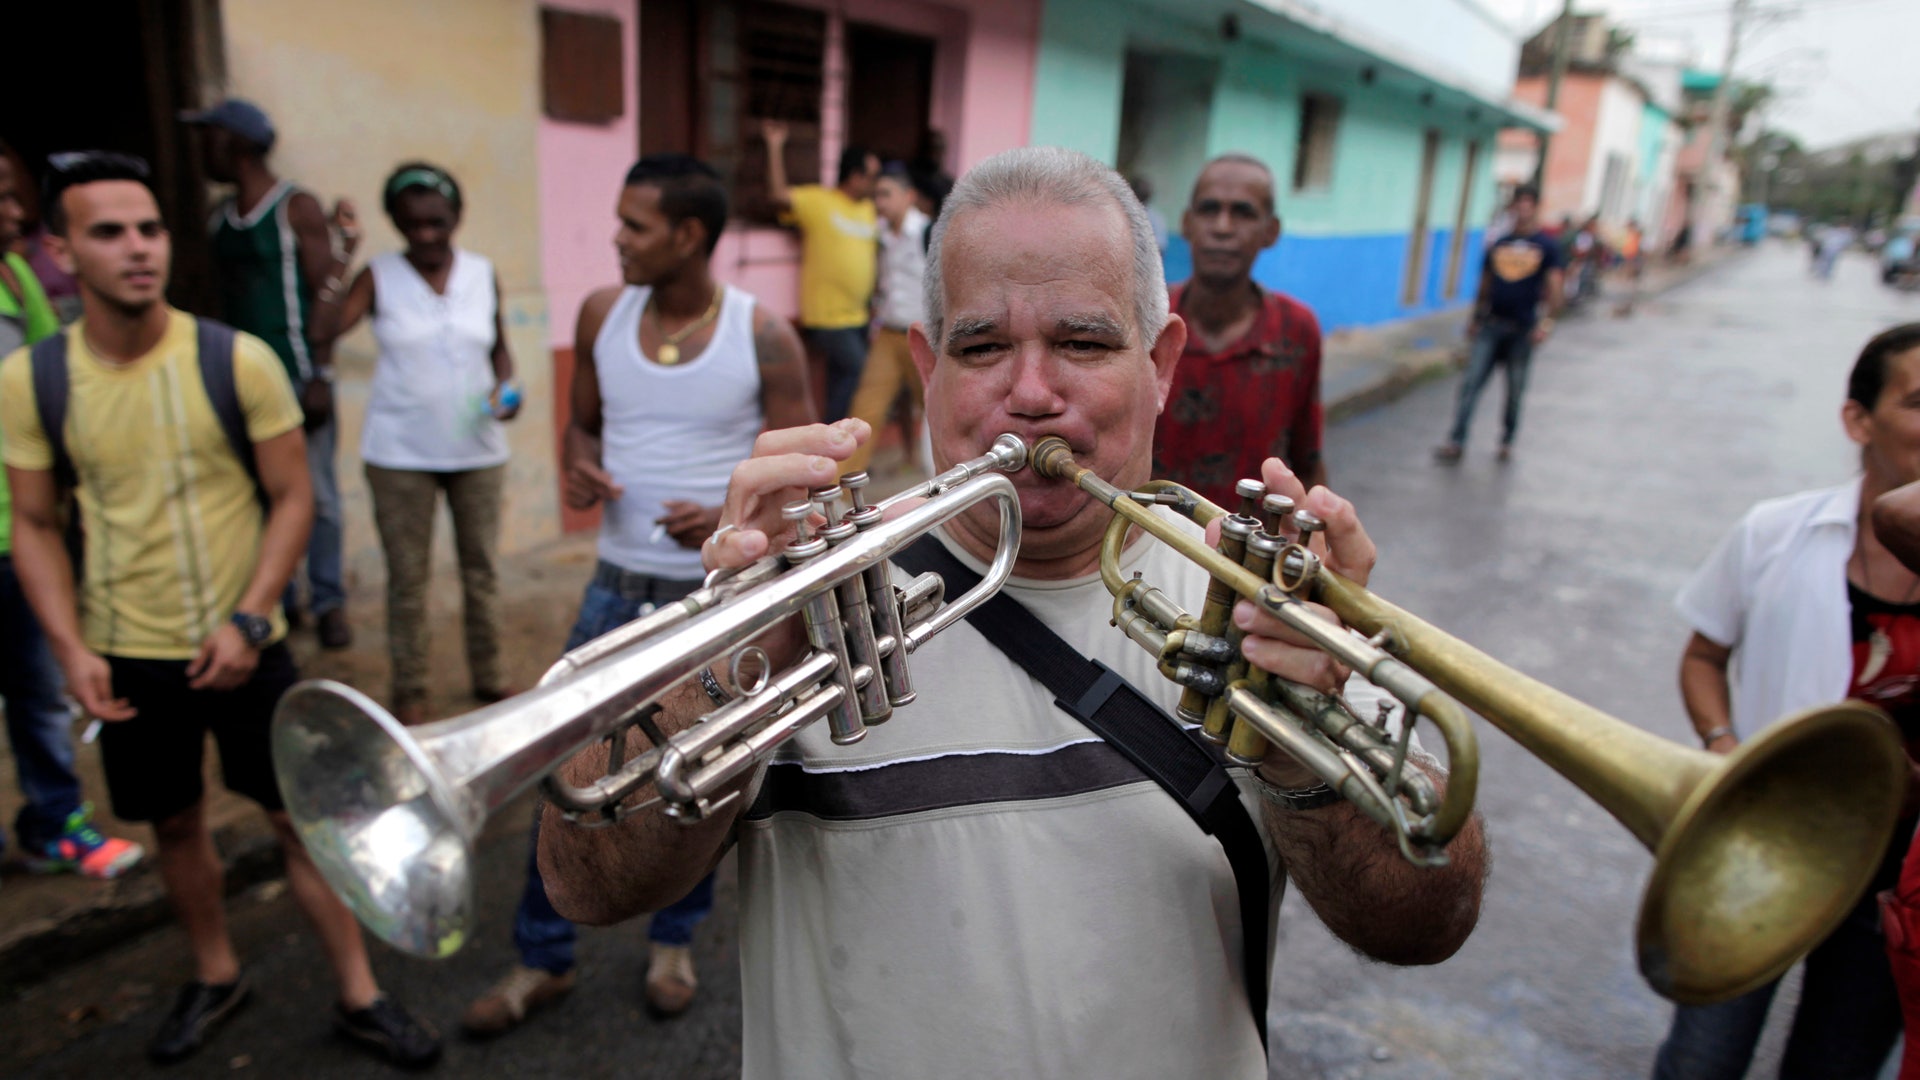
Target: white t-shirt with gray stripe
x: 983, y: 888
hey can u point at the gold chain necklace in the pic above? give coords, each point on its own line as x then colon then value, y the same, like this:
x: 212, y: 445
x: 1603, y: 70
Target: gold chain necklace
x: 669, y: 351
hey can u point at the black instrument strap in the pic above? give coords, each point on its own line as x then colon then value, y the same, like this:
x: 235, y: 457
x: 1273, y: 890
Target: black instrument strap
x: 1176, y: 759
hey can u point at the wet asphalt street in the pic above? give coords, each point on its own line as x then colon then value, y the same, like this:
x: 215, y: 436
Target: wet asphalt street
x: 1644, y: 438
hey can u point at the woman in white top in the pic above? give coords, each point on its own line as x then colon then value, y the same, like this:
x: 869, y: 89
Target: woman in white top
x: 441, y: 388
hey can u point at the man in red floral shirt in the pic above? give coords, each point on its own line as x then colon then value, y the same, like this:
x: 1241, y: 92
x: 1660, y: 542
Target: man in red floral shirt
x: 1248, y: 383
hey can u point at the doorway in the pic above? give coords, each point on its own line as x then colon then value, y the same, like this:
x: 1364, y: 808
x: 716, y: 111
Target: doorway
x: 889, y: 90
x: 1166, y: 108
x: 147, y: 67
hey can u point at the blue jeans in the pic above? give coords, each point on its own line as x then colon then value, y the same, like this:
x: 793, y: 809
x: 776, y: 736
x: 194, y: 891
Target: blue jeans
x: 1848, y: 1019
x: 1498, y: 342
x: 544, y: 937
x: 846, y: 353
x: 325, y: 590
x: 39, y: 725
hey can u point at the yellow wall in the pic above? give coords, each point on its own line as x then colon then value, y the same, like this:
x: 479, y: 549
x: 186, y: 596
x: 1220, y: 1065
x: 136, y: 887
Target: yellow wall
x: 355, y: 87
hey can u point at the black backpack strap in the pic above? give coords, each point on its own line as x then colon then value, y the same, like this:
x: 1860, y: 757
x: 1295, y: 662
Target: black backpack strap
x: 216, y: 342
x: 50, y: 393
x: 1168, y: 754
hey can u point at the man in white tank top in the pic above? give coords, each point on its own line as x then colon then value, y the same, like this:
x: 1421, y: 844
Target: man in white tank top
x: 675, y: 376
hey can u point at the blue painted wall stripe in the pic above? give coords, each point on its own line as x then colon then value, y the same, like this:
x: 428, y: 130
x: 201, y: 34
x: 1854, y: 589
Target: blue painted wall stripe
x: 1353, y: 281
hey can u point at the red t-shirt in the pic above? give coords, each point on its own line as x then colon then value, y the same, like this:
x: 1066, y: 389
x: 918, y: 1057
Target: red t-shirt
x: 1257, y: 398
x: 1886, y: 659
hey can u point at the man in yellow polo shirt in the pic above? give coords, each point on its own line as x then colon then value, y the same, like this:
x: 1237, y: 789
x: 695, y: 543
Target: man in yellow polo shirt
x: 838, y: 259
x: 177, y: 629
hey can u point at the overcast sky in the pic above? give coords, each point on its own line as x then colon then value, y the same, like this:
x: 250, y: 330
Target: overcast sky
x: 1844, y: 68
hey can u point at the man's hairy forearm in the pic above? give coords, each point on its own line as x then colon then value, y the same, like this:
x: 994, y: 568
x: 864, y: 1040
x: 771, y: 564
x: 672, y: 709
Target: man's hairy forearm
x: 1352, y: 872
x: 602, y: 876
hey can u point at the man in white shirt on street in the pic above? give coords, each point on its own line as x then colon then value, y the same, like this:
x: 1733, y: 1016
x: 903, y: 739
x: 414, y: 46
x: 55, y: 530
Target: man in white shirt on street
x: 899, y: 304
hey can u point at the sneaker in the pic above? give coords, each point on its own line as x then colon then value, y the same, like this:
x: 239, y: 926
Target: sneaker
x: 334, y: 630
x: 390, y: 1031
x: 513, y: 999
x: 200, y: 1009
x: 81, y: 848
x: 1447, y: 453
x: 670, y: 979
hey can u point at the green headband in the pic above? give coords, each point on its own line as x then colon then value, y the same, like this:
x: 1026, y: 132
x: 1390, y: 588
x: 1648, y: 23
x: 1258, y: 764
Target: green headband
x: 431, y: 179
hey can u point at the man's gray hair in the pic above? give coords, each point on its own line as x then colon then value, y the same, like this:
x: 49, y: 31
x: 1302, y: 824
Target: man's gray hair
x: 1049, y: 175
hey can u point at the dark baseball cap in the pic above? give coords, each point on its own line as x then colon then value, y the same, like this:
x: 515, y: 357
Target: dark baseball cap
x: 239, y: 116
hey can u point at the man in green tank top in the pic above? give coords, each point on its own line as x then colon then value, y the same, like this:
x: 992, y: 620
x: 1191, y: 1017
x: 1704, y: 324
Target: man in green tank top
x: 278, y: 256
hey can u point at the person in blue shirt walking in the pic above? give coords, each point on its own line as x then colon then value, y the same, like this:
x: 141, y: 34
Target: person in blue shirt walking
x: 1521, y: 287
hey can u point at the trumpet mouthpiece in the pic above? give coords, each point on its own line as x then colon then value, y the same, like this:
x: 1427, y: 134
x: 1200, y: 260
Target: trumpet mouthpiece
x: 1051, y: 456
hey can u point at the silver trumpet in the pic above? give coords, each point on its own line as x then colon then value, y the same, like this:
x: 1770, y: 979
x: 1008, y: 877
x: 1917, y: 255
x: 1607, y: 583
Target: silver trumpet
x: 390, y: 814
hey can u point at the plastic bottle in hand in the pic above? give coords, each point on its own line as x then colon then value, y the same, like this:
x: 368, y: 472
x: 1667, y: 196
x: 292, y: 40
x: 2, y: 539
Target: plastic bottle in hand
x: 502, y: 401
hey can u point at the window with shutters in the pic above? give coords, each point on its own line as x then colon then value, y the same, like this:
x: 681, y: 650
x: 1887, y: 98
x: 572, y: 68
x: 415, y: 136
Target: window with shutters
x: 582, y: 71
x: 710, y: 72
x: 1313, y: 153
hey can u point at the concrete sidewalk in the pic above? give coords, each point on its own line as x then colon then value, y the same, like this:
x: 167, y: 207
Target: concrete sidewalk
x: 48, y: 922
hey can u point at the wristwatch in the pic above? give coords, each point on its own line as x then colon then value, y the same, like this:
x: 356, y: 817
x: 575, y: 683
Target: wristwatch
x: 255, y: 629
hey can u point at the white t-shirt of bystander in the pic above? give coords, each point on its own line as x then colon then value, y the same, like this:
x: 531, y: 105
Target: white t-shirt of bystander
x: 1775, y: 592
x: 903, y: 262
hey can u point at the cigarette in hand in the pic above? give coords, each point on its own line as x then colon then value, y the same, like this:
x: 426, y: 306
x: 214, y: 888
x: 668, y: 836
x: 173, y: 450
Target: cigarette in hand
x: 659, y: 533
x: 92, y: 732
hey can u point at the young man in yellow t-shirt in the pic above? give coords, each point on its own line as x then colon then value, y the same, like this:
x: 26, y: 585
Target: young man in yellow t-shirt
x: 177, y: 630
x: 838, y: 253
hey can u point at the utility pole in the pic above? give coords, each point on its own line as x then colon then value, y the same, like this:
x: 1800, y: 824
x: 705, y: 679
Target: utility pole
x: 1720, y: 138
x: 1562, y: 39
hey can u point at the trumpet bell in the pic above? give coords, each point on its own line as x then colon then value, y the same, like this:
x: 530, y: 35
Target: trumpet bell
x: 388, y: 834
x: 1768, y: 853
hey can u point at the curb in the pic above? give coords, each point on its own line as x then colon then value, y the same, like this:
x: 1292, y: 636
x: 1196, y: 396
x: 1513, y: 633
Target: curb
x: 1395, y: 385
x: 31, y: 951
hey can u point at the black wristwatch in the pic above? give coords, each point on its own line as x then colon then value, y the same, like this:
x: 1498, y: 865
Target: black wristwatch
x: 256, y: 630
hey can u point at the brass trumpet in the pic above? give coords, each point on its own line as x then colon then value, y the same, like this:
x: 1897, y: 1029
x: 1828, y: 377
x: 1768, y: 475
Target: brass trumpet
x: 1757, y: 855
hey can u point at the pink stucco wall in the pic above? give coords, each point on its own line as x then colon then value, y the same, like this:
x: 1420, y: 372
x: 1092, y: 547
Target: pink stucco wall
x: 982, y: 100
x: 581, y: 166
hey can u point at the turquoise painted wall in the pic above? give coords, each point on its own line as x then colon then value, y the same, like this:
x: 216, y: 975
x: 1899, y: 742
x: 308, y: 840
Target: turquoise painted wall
x: 1653, y: 129
x: 1077, y: 79
x: 1345, y: 247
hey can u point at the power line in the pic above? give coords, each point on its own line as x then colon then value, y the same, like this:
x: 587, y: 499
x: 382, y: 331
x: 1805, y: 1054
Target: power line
x: 1666, y: 12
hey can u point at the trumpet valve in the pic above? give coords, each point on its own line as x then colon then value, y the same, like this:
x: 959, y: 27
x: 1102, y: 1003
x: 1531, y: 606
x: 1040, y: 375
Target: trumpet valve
x: 859, y: 513
x: 825, y: 498
x: 1308, y: 524
x: 1250, y: 492
x: 1274, y: 511
x: 804, y: 545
